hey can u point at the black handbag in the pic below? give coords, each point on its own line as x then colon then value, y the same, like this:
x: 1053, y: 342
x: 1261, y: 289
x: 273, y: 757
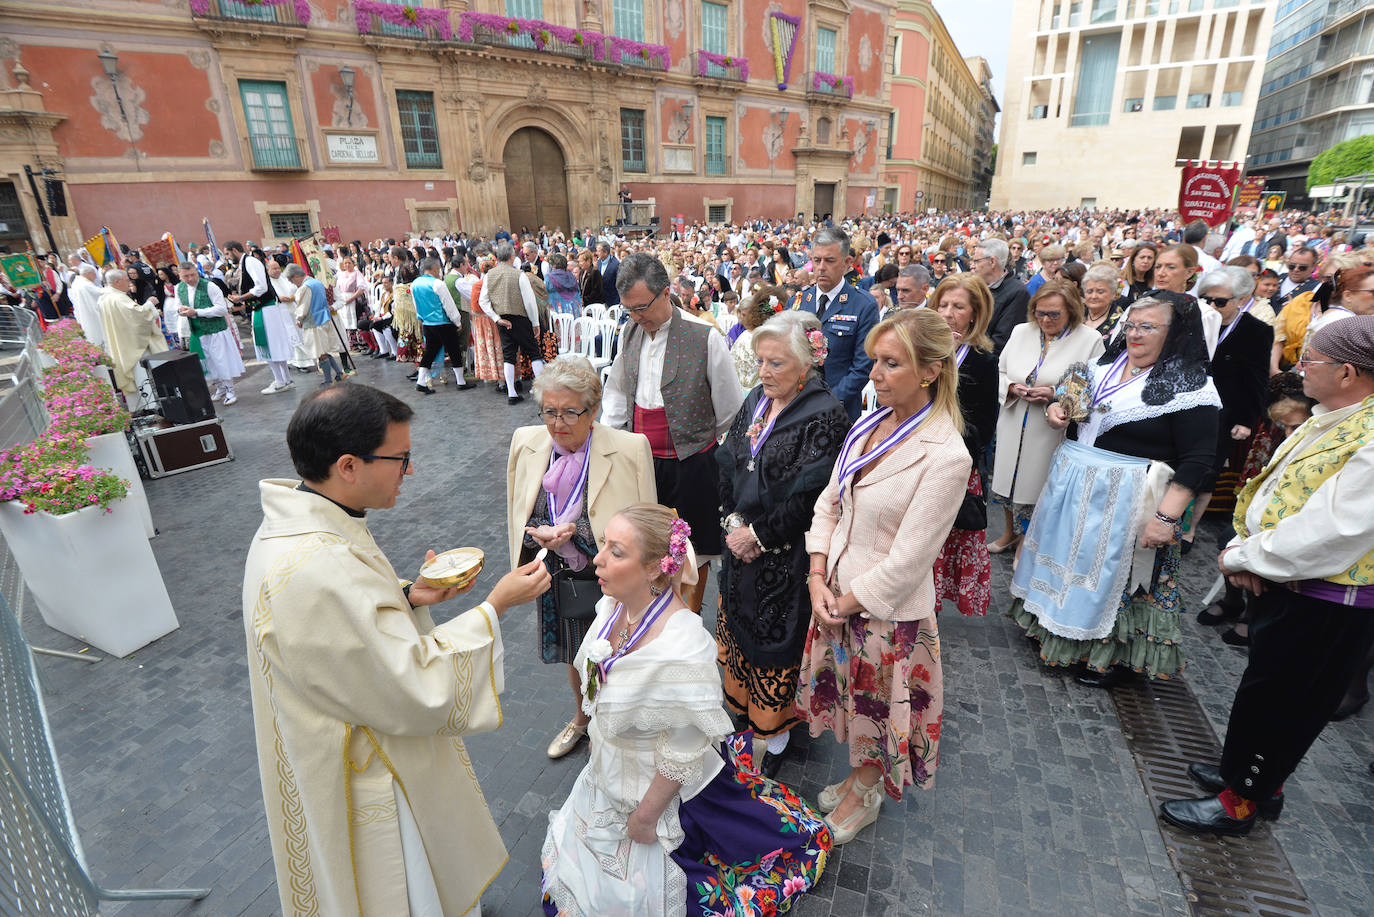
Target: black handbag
x: 973, y: 512
x: 575, y: 594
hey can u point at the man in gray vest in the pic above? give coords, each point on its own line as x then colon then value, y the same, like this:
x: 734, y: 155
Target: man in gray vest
x: 673, y: 381
x: 508, y: 299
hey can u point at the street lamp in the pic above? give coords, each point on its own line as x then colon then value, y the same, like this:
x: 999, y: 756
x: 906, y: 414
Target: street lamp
x: 346, y: 75
x: 110, y: 62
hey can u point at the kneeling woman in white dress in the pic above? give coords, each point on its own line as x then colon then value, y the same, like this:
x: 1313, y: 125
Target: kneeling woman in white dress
x: 666, y: 819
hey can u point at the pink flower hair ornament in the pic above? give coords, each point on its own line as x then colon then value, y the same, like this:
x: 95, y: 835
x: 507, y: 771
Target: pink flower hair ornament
x: 671, y: 564
x: 819, y: 349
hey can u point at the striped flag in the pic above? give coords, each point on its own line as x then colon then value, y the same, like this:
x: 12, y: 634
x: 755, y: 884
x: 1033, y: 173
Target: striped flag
x: 298, y: 256
x: 112, y: 246
x: 210, y: 238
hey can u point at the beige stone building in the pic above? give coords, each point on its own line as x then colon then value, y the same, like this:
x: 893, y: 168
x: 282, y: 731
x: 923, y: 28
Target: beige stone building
x: 1105, y: 96
x: 277, y: 118
x: 935, y: 156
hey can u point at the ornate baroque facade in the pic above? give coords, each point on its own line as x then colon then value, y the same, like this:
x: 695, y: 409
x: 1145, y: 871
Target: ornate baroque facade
x: 273, y: 118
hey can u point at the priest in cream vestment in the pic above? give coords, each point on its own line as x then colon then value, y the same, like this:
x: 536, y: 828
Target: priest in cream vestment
x: 130, y: 329
x: 359, y: 700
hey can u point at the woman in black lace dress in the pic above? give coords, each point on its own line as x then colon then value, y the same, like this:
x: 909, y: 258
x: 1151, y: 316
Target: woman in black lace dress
x: 774, y: 463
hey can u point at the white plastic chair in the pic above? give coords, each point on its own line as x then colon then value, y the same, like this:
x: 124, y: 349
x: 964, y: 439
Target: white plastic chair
x: 594, y: 310
x: 615, y: 312
x: 563, y: 324
x: 870, y: 398
x: 583, y: 330
x: 599, y: 342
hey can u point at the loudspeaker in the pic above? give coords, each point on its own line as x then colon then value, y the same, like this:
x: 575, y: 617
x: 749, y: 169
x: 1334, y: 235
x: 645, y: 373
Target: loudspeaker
x: 180, y: 385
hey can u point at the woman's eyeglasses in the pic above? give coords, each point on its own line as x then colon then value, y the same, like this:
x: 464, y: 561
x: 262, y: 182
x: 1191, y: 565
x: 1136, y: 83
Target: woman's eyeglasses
x: 569, y: 416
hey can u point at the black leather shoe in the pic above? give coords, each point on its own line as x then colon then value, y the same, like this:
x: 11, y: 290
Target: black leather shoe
x: 1231, y: 638
x: 1217, y: 612
x: 515, y: 399
x: 424, y: 390
x: 1209, y: 778
x: 413, y: 376
x: 772, y: 764
x: 1205, y: 816
x: 1108, y: 679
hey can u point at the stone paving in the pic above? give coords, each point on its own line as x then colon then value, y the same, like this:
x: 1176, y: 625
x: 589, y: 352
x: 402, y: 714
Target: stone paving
x: 1037, y: 807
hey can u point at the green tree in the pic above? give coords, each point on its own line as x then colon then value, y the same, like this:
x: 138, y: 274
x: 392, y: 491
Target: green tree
x: 1349, y: 158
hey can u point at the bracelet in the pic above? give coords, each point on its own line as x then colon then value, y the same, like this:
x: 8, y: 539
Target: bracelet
x: 1167, y: 519
x: 820, y: 573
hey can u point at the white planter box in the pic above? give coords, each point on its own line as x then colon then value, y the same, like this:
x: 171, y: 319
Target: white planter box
x: 93, y: 575
x: 110, y: 451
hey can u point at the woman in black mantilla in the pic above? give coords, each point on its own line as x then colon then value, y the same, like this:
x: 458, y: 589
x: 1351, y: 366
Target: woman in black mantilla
x: 1098, y: 581
x: 774, y: 464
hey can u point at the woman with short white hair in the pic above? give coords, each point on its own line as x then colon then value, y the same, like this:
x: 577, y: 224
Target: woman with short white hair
x: 565, y: 479
x: 774, y: 463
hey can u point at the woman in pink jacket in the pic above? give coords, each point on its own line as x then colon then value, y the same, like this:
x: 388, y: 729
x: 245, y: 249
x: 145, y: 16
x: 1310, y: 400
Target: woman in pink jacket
x: 871, y: 668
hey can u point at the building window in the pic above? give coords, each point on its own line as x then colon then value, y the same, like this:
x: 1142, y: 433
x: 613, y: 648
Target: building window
x: 1199, y: 99
x: 825, y: 50
x: 401, y: 31
x: 1039, y: 112
x: 891, y: 131
x: 260, y: 12
x: 1027, y: 159
x: 627, y: 19
x: 419, y: 133
x: 1104, y: 11
x: 1232, y: 99
x: 632, y: 140
x: 1133, y: 105
x: 290, y: 225
x: 1075, y: 14
x: 1165, y: 103
x: 715, y: 146
x: 896, y: 55
x: 1092, y: 103
x: 715, y: 213
x: 271, y: 135
x: 714, y: 31
x: 525, y: 9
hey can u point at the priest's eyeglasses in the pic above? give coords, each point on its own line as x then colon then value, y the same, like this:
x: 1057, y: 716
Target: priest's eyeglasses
x: 403, y: 459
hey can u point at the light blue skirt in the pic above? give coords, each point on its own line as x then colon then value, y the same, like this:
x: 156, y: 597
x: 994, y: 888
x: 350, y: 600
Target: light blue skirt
x: 1076, y: 561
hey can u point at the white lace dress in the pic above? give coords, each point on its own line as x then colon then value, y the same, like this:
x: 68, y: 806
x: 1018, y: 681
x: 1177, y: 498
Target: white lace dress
x: 659, y: 712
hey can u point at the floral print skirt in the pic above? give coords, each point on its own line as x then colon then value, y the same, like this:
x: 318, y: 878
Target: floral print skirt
x: 1145, y: 637
x: 486, y: 349
x: 752, y: 847
x: 963, y: 571
x: 878, y: 686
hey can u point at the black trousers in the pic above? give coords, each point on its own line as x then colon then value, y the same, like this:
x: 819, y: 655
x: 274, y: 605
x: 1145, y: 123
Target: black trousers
x: 518, y: 339
x: 446, y: 336
x: 689, y: 486
x: 1303, y: 653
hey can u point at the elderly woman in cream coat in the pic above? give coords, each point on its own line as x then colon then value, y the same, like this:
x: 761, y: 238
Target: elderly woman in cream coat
x: 565, y: 479
x: 1037, y: 354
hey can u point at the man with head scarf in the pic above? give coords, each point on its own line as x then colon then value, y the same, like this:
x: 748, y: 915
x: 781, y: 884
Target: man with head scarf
x: 1304, y: 531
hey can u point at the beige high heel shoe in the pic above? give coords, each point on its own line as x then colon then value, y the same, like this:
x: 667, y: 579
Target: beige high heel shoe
x: 865, y: 815
x: 833, y: 795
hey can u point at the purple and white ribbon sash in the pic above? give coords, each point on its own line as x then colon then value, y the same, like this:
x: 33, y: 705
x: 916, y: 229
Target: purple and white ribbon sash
x: 851, y: 462
x: 756, y: 440
x: 960, y: 354
x: 1226, y: 332
x: 1109, y: 385
x: 655, y: 611
x: 572, y: 508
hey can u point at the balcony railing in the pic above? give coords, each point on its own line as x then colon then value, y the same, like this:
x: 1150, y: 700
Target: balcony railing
x: 828, y: 84
x: 401, y: 21
x: 275, y: 153
x: 268, y: 12
x: 530, y: 35
x: 721, y: 67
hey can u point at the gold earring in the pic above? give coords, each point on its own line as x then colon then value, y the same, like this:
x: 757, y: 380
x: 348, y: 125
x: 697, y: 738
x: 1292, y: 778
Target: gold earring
x: 926, y: 383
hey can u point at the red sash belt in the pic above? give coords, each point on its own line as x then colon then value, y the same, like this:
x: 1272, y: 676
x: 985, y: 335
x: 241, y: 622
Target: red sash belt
x: 653, y: 423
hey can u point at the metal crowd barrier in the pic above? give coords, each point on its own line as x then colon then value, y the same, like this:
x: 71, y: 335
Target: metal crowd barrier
x: 43, y: 869
x: 42, y: 866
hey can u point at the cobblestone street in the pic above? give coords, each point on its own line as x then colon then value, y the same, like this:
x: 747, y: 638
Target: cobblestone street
x: 1037, y: 808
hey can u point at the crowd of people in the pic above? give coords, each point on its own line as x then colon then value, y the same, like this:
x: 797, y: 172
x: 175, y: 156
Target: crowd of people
x: 821, y: 415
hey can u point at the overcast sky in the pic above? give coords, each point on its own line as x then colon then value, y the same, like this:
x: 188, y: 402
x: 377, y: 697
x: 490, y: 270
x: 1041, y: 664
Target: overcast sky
x: 981, y: 28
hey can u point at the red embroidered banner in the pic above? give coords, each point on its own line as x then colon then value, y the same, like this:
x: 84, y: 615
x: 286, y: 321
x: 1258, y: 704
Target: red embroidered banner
x: 1206, y: 192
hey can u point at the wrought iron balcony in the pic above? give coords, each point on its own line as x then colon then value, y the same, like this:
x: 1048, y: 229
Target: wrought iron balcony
x: 829, y: 85
x: 530, y: 35
x: 275, y: 153
x: 262, y: 12
x: 721, y: 67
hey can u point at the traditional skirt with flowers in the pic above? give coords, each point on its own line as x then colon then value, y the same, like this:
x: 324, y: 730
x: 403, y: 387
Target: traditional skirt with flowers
x: 406, y: 324
x: 963, y: 571
x: 1074, y: 583
x: 751, y: 845
x: 878, y: 686
x: 486, y: 347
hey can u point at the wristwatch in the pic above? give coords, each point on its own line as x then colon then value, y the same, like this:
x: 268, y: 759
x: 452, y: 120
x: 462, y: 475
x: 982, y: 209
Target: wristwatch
x: 732, y: 522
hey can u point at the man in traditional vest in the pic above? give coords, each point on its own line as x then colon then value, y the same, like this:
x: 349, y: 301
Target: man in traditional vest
x: 508, y: 299
x: 673, y: 381
x: 441, y: 320
x: 213, y: 339
x: 1304, y: 547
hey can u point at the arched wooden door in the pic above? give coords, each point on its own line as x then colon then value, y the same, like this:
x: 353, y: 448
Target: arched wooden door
x: 536, y: 184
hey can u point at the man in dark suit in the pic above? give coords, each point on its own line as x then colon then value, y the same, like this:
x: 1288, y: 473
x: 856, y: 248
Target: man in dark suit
x: 609, y: 266
x: 1271, y: 235
x: 847, y: 314
x: 1301, y: 277
x: 1009, y: 295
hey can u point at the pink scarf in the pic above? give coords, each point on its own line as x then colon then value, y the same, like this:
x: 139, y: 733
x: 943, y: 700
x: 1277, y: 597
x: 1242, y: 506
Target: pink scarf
x: 561, y: 482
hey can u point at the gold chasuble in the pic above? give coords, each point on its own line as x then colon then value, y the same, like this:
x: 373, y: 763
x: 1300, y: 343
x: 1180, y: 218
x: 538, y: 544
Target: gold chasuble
x: 359, y: 703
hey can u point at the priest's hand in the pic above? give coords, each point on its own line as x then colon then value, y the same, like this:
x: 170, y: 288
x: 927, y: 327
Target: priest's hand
x: 423, y: 592
x: 521, y: 585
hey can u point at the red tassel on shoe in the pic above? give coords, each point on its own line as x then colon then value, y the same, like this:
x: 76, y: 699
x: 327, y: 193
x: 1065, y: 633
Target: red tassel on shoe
x: 1236, y: 805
